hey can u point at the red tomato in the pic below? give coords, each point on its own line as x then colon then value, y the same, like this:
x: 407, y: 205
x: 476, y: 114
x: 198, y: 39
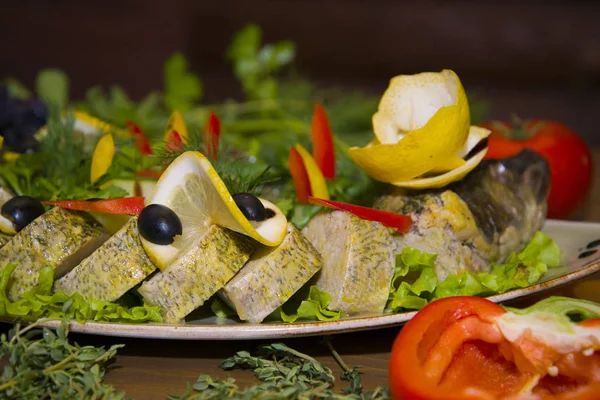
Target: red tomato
x: 568, y: 155
x: 453, y: 349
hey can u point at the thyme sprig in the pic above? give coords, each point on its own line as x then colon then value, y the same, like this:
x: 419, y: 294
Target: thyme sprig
x: 43, y: 364
x: 285, y: 373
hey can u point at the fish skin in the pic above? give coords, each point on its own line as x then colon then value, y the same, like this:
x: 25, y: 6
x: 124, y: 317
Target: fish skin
x: 109, y: 272
x: 59, y: 238
x: 198, y: 273
x: 480, y: 220
x: 358, y: 261
x: 271, y: 277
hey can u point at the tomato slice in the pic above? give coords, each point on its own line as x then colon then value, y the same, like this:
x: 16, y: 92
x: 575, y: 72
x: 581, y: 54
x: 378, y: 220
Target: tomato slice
x: 453, y: 349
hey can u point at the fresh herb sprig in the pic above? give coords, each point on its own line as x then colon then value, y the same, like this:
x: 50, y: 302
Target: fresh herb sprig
x: 285, y: 373
x: 60, y: 169
x: 43, y: 364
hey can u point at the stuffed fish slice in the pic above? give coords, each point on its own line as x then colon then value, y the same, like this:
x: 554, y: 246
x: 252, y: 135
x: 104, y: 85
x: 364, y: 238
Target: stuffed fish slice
x: 271, y: 277
x: 213, y: 238
x: 201, y: 270
x: 358, y: 261
x: 114, y: 268
x: 59, y: 238
x: 481, y: 220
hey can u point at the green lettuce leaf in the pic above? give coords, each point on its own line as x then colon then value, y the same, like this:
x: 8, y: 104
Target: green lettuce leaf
x: 563, y: 310
x: 312, y: 308
x: 40, y: 302
x: 415, y: 282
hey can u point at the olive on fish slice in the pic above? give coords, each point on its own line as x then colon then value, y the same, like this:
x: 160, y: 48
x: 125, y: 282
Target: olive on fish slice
x: 252, y: 207
x: 158, y: 224
x: 22, y: 210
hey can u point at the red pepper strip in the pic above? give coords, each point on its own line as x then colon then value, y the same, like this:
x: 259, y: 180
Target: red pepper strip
x: 212, y: 131
x: 299, y: 176
x: 122, y: 206
x: 453, y: 349
x: 174, y: 142
x: 322, y: 140
x: 398, y: 221
x: 141, y: 140
x: 148, y: 173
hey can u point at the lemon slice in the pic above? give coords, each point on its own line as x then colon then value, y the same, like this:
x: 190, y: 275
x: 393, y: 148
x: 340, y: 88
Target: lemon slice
x: 88, y: 126
x: 6, y: 225
x: 191, y: 187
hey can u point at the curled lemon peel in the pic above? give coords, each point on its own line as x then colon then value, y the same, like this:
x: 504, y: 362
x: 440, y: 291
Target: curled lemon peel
x: 422, y: 128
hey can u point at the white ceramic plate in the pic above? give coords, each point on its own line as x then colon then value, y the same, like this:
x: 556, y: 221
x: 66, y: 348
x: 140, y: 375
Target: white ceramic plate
x: 572, y: 237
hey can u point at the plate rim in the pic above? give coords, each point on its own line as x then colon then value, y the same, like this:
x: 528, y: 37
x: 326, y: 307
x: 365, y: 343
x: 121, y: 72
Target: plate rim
x: 246, y: 331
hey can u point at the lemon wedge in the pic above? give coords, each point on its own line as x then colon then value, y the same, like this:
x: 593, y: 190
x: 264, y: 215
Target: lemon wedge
x: 193, y: 190
x: 422, y: 127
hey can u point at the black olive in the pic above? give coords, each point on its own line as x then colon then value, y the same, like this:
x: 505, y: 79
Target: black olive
x: 158, y: 224
x: 22, y: 210
x: 251, y: 207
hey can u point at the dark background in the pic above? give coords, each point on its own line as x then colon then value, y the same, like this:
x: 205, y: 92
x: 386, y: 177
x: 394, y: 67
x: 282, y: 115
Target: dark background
x: 535, y: 58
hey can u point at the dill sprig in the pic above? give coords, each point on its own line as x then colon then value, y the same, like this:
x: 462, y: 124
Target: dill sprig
x: 60, y: 169
x: 239, y: 171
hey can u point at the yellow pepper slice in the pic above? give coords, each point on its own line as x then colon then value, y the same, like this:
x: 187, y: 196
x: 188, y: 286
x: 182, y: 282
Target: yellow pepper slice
x: 103, y: 157
x: 176, y: 123
x: 318, y: 186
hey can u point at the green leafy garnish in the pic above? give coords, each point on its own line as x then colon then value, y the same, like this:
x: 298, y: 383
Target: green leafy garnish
x: 40, y: 302
x: 415, y: 282
x: 182, y: 88
x: 311, y: 308
x: 285, y: 374
x: 52, y: 85
x: 43, y: 364
x: 563, y: 309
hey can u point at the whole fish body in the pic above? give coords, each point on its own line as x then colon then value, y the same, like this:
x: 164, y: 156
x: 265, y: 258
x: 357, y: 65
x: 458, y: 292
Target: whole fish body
x: 480, y: 220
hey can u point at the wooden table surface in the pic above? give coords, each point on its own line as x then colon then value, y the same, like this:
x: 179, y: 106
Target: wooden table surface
x: 151, y: 369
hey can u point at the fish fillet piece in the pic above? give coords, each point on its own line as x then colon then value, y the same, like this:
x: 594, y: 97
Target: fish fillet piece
x: 272, y: 276
x: 115, y: 267
x: 204, y: 268
x: 358, y: 261
x: 59, y: 238
x: 481, y: 220
x: 4, y: 238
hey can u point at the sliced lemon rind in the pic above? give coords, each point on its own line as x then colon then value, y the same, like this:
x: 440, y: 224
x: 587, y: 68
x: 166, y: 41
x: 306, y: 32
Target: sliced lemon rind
x: 440, y: 181
x: 418, y: 151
